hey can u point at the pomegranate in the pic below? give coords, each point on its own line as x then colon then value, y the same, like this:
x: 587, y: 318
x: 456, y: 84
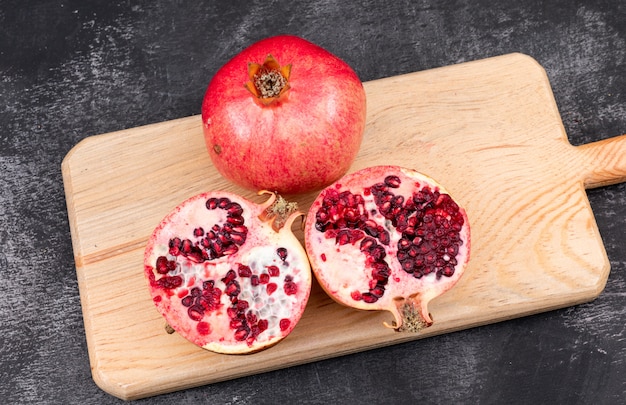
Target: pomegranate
x: 228, y: 274
x: 387, y: 238
x: 284, y: 115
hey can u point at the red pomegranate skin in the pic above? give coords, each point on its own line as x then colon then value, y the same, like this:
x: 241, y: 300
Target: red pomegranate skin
x: 302, y: 141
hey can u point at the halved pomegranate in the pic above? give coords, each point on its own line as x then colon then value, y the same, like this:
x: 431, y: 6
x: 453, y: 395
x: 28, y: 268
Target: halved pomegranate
x: 387, y: 238
x: 228, y: 274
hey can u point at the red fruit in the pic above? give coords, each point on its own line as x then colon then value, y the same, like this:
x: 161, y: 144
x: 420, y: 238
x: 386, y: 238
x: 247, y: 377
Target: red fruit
x: 201, y: 263
x: 284, y: 115
x: 387, y: 238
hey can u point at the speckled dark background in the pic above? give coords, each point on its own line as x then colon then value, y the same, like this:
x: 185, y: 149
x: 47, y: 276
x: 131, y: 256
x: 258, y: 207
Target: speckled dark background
x: 69, y: 70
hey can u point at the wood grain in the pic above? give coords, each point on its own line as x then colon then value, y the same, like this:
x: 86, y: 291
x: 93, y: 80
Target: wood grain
x: 488, y: 130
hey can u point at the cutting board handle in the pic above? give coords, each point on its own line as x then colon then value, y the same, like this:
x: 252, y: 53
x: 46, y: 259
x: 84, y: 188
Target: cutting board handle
x: 604, y: 162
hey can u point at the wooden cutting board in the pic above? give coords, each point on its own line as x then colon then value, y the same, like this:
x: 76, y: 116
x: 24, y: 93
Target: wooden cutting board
x: 488, y: 130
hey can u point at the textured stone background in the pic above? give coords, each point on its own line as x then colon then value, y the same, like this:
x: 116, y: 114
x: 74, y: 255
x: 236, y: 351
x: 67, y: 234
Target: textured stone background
x: 69, y: 70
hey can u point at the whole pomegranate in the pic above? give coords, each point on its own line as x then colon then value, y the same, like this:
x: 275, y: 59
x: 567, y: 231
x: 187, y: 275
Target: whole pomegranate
x: 284, y: 115
x: 228, y: 274
x: 387, y: 238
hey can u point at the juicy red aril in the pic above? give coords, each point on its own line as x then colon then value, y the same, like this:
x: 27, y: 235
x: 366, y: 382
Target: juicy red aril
x: 163, y: 265
x: 196, y: 312
x: 244, y: 271
x: 271, y: 287
x: 282, y: 253
x: 273, y: 271
x: 392, y: 181
x: 284, y: 324
x: 232, y: 289
x: 290, y: 287
x: 242, y: 333
x: 169, y: 282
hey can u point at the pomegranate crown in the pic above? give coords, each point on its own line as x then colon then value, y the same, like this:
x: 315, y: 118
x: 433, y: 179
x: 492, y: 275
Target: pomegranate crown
x: 269, y: 81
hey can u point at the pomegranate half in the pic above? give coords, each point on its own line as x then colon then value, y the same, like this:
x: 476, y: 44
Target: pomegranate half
x: 228, y: 274
x: 387, y: 238
x: 284, y: 115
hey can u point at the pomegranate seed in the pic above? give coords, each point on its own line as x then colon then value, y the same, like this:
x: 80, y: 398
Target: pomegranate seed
x: 223, y: 203
x: 378, y: 253
x: 186, y: 247
x: 232, y: 289
x: 187, y: 301
x: 263, y: 324
x: 384, y: 237
x: 195, y: 255
x: 232, y: 312
x: 378, y: 291
x: 238, y: 239
x: 235, y: 220
x: 408, y: 266
x: 239, y: 230
x: 242, y: 305
x: 162, y: 266
x: 203, y: 328
x: 230, y: 250
x: 174, y: 246
x: 448, y: 271
x: 290, y: 288
x: 343, y: 237
x: 381, y: 272
x: 369, y: 298
x: 264, y: 278
x: 241, y: 334
x: 251, y: 318
x: 367, y: 244
x: 196, y: 312
x: 236, y: 323
x: 244, y: 271
x: 254, y: 332
x: 284, y: 324
x: 282, y: 253
x: 170, y: 282
x: 211, y: 203
x: 230, y: 276
x: 273, y: 271
x: 234, y: 209
x: 392, y: 181
x: 270, y: 288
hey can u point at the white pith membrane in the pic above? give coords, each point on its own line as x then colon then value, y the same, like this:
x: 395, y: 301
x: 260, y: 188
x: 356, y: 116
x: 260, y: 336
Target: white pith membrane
x: 344, y: 271
x: 213, y: 328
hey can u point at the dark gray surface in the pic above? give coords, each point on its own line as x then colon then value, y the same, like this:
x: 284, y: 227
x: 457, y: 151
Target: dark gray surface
x: 69, y: 70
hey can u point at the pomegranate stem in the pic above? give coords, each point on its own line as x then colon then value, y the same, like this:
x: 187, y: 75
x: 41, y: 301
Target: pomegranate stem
x: 280, y: 211
x: 410, y: 315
